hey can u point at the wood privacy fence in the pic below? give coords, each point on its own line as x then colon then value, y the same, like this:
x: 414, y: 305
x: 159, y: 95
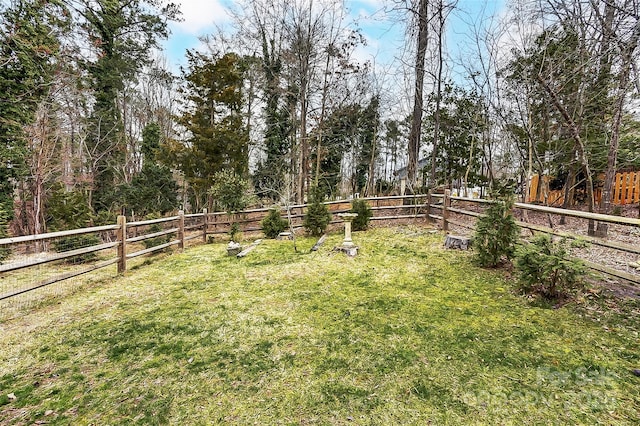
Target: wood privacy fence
x: 40, y: 266
x: 452, y: 209
x: 626, y: 190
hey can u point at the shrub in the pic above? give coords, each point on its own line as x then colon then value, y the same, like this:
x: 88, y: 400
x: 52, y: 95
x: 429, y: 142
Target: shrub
x: 233, y: 193
x: 361, y: 222
x: 318, y: 215
x: 273, y: 224
x: 545, y: 268
x: 496, y: 234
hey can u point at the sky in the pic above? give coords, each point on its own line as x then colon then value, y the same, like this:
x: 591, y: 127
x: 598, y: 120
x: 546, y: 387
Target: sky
x: 385, y: 36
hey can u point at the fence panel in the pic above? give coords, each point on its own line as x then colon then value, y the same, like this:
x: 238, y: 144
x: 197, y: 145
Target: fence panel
x: 618, y: 255
x: 38, y: 267
x: 626, y: 190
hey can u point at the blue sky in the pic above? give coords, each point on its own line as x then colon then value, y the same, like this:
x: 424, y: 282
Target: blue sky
x: 385, y: 35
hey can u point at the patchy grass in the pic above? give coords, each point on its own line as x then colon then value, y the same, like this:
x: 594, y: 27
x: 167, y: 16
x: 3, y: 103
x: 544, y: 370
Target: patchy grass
x: 405, y: 333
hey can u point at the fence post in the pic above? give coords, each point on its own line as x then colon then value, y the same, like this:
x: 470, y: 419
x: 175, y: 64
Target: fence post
x: 429, y: 205
x: 121, y: 237
x: 181, y: 230
x: 205, y: 225
x: 446, y: 202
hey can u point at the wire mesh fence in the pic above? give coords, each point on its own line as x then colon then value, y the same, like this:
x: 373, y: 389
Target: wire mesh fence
x: 38, y: 268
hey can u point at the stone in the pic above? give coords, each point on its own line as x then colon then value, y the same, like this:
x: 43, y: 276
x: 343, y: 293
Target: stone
x: 457, y: 242
x: 233, y: 248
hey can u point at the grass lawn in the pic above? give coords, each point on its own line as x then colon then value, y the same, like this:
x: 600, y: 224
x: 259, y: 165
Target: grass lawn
x: 404, y: 333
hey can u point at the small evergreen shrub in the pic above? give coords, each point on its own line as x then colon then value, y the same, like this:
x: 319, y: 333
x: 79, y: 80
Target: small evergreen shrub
x: 361, y: 222
x: 318, y: 215
x: 545, y: 268
x: 273, y: 224
x: 496, y: 234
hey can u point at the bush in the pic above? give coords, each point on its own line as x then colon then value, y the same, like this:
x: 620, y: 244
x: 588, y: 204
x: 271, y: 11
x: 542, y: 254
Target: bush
x: 318, y: 215
x: 360, y: 222
x: 273, y: 224
x: 496, y: 234
x: 231, y: 191
x: 545, y: 268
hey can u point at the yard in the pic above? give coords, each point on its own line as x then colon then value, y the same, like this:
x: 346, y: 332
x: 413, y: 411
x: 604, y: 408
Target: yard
x: 404, y: 333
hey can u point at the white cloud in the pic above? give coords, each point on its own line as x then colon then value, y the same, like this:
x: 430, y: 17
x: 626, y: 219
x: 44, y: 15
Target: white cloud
x: 198, y: 15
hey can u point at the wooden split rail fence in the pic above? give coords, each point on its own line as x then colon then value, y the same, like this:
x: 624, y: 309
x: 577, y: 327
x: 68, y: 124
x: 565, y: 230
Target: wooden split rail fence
x: 41, y: 266
x: 48, y: 261
x: 451, y: 210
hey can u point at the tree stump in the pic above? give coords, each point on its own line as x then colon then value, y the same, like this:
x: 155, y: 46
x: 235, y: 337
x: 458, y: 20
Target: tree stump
x: 457, y: 242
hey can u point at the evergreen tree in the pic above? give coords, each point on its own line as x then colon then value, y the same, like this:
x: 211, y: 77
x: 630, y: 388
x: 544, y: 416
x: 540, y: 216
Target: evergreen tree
x: 123, y: 34
x: 29, y: 32
x: 153, y: 190
x: 318, y: 216
x: 218, y: 136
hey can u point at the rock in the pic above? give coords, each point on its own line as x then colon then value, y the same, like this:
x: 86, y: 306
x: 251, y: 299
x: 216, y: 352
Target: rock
x: 233, y: 248
x: 284, y: 236
x: 457, y: 241
x: 319, y: 243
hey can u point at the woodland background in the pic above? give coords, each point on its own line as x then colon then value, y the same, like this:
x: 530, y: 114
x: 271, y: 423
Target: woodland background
x: 94, y: 123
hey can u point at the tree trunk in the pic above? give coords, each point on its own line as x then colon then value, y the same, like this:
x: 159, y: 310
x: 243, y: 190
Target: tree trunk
x: 436, y: 118
x: 416, y: 118
x: 582, y: 154
x: 569, y: 191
